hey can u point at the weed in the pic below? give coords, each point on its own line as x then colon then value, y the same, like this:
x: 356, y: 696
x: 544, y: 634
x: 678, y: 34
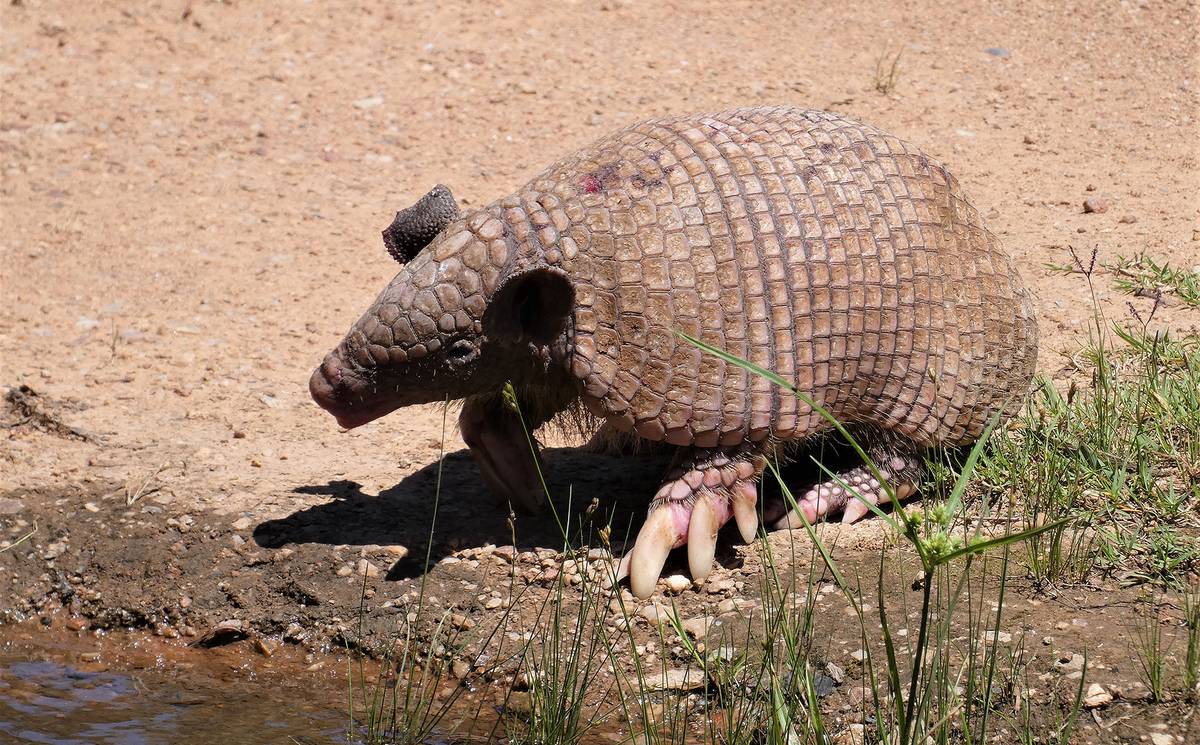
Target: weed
x: 1151, y: 652
x: 1143, y: 276
x: 887, y: 72
x: 1191, y: 619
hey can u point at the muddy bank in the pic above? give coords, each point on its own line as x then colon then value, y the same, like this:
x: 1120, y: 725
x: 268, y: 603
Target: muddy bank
x: 280, y: 590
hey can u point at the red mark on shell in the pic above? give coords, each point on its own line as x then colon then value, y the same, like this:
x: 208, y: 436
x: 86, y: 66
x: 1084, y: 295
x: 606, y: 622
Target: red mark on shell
x: 591, y: 184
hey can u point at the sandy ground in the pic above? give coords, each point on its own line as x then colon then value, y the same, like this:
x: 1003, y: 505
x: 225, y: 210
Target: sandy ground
x: 192, y: 196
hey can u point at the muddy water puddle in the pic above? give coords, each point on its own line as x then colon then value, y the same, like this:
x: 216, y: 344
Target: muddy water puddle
x: 137, y: 692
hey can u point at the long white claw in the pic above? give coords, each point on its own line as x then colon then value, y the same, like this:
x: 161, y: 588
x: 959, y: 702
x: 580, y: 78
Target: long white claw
x: 654, y: 542
x: 623, y: 567
x: 793, y: 520
x: 745, y: 515
x: 855, y: 510
x: 702, y: 539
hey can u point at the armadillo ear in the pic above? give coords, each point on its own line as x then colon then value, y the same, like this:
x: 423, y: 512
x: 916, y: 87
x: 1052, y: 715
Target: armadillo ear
x: 416, y: 226
x: 533, y: 306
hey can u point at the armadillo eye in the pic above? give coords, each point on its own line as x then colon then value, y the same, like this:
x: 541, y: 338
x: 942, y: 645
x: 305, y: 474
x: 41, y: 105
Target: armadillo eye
x: 461, y: 351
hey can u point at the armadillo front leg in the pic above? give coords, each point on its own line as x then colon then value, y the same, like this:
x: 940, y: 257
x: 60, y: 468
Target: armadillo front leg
x: 507, y: 456
x: 901, y: 470
x: 702, y: 491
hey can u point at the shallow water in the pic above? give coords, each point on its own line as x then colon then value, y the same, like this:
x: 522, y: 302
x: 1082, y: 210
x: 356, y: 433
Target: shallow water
x: 45, y: 697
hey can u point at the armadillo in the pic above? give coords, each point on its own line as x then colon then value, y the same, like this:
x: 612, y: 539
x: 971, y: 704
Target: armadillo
x: 836, y: 255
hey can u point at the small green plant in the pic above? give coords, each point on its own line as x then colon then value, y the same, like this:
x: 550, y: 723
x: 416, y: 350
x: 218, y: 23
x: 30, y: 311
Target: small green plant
x: 1142, y: 275
x: 563, y: 661
x: 1150, y: 649
x: 1191, y: 622
x: 887, y: 72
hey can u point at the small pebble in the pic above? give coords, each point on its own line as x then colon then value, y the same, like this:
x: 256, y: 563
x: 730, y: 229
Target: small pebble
x: 1096, y: 697
x: 677, y: 583
x: 1095, y: 205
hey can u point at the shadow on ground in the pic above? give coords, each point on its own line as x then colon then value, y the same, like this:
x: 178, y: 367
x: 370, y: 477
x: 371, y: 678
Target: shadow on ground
x: 467, y: 515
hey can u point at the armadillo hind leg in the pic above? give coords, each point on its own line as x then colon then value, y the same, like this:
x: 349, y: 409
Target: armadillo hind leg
x: 502, y: 449
x: 901, y: 470
x: 703, y: 490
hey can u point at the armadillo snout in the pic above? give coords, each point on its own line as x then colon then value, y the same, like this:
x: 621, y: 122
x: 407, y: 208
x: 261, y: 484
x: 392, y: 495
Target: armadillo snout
x: 335, y: 387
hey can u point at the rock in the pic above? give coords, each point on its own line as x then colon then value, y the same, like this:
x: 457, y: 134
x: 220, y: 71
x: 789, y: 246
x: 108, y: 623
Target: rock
x: 677, y: 583
x: 518, y: 703
x: 655, y: 613
x: 1095, y: 205
x: 835, y: 672
x: 242, y: 523
x: 1096, y: 697
x: 224, y: 633
x: 368, y: 103
x: 12, y: 506
x: 461, y: 622
x: 697, y: 627
x: 726, y: 606
x: 1069, y: 662
x: 1162, y: 738
x: 493, y: 603
x: 54, y: 550
x: 460, y: 669
x: 1133, y: 691
x: 1128, y: 219
x: 1000, y: 52
x: 367, y: 569
x: 823, y: 684
x: 854, y: 734
x: 859, y: 655
x: 507, y: 553
x: 345, y: 570
x: 679, y: 679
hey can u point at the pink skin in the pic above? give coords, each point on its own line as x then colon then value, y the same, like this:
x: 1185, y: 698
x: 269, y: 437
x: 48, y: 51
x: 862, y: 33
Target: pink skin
x: 721, y: 489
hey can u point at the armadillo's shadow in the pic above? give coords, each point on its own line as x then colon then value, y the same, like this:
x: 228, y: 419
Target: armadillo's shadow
x: 467, y: 514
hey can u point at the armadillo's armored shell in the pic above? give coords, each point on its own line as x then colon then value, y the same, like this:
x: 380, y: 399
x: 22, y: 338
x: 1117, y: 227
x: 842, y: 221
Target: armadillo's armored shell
x: 830, y: 252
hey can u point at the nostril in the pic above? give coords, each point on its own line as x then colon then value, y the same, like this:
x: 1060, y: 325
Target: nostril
x: 332, y: 371
x: 326, y: 382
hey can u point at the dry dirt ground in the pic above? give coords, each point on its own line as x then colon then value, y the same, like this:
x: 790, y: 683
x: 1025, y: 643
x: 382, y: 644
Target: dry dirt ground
x: 190, y: 209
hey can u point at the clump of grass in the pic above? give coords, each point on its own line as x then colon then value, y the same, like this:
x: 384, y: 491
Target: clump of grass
x: 563, y: 662
x: 400, y: 704
x: 887, y: 72
x: 1119, y: 452
x: 1151, y: 650
x: 1191, y: 620
x: 1143, y: 276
